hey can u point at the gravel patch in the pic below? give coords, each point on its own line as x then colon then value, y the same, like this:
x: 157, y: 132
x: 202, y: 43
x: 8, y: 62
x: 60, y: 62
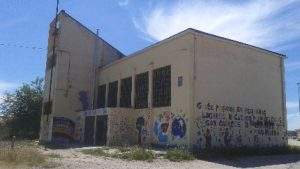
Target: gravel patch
x: 73, y: 159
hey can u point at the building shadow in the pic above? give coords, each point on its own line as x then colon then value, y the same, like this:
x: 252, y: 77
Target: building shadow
x: 257, y: 161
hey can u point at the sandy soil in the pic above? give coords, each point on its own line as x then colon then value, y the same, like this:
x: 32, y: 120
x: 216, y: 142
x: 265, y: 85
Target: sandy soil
x: 74, y: 159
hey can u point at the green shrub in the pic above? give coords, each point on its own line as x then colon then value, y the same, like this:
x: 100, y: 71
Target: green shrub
x: 141, y: 154
x: 179, y: 155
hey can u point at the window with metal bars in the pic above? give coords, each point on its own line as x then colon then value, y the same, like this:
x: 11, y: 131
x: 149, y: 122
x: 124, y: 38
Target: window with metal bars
x: 112, y: 94
x: 125, y: 97
x: 162, y: 87
x: 141, y: 90
x: 101, y: 96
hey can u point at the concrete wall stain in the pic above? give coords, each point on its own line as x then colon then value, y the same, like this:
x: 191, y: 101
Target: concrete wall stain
x: 84, y: 100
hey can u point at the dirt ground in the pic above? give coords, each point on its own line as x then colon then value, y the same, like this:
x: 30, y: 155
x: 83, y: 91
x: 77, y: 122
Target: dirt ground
x: 74, y: 159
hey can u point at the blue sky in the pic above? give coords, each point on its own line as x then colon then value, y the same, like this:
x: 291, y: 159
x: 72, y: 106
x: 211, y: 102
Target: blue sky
x: 130, y: 25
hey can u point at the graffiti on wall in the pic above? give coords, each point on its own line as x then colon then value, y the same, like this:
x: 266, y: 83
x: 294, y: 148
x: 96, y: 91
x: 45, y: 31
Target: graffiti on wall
x: 223, y: 125
x: 169, y: 126
x: 84, y: 100
x: 140, y: 126
x: 63, y: 130
x: 161, y: 126
x: 78, y: 129
x: 178, y: 127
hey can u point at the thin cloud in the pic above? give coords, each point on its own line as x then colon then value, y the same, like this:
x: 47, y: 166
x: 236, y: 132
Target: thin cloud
x: 12, y: 22
x: 292, y: 105
x: 293, y: 66
x: 263, y: 23
x: 123, y: 2
x: 6, y: 86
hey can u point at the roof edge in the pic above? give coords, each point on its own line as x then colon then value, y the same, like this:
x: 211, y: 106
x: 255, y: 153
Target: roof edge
x: 235, y: 41
x: 63, y: 12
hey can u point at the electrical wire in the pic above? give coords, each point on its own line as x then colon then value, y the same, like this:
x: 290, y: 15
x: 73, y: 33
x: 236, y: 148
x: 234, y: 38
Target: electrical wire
x: 21, y: 46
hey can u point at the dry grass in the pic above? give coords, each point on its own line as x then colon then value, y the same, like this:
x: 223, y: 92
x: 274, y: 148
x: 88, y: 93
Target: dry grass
x: 26, y: 156
x: 128, y: 153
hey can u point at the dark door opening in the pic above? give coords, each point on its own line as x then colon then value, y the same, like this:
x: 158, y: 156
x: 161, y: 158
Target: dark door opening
x: 101, y: 130
x: 89, y: 130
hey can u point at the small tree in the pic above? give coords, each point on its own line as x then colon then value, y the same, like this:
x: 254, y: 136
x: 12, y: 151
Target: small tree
x: 22, y: 110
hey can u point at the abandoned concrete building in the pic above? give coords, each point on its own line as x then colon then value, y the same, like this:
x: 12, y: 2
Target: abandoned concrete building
x: 193, y: 89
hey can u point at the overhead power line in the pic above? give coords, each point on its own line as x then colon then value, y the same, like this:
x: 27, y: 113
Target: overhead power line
x: 21, y: 46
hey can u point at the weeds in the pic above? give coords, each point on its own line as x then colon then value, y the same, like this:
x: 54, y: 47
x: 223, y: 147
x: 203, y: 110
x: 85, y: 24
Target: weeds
x: 134, y: 153
x: 53, y: 155
x: 28, y: 156
x: 178, y: 155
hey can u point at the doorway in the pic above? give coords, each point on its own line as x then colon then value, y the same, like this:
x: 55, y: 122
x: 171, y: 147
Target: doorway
x: 89, y: 130
x: 101, y: 130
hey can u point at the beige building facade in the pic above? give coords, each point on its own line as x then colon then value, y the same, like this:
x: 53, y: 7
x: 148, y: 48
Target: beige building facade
x: 194, y: 90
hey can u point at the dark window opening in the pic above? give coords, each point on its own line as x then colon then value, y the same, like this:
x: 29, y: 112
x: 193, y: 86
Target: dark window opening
x: 112, y: 94
x: 180, y: 81
x: 141, y: 90
x: 48, y: 107
x: 125, y: 97
x: 162, y: 87
x: 101, y: 96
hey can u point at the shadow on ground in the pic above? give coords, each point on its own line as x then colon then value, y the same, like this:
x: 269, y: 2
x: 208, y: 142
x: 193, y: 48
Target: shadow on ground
x: 258, y: 161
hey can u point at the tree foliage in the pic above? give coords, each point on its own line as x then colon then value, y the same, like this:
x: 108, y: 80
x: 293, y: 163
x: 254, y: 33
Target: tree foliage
x: 21, y: 110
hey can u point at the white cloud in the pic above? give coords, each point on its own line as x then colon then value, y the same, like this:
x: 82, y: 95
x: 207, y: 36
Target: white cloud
x: 293, y: 122
x: 255, y: 22
x: 123, y: 2
x: 6, y: 86
x: 292, y: 105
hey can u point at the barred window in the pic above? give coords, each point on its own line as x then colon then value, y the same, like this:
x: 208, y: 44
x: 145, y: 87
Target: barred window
x: 141, y: 90
x: 162, y: 87
x: 112, y: 94
x: 125, y: 97
x: 101, y: 96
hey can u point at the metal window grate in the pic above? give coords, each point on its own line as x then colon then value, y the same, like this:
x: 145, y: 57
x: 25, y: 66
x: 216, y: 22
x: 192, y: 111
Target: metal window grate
x: 162, y: 87
x: 126, y: 88
x: 101, y: 96
x: 141, y: 90
x: 112, y: 94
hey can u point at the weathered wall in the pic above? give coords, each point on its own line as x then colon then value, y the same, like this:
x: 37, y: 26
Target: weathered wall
x: 239, y: 97
x: 127, y: 126
x: 165, y: 126
x: 78, y: 49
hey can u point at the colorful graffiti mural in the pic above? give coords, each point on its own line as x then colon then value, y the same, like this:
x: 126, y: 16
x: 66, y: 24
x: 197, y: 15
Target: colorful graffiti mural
x: 168, y: 126
x: 63, y: 130
x: 178, y: 127
x: 161, y: 127
x: 222, y: 126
